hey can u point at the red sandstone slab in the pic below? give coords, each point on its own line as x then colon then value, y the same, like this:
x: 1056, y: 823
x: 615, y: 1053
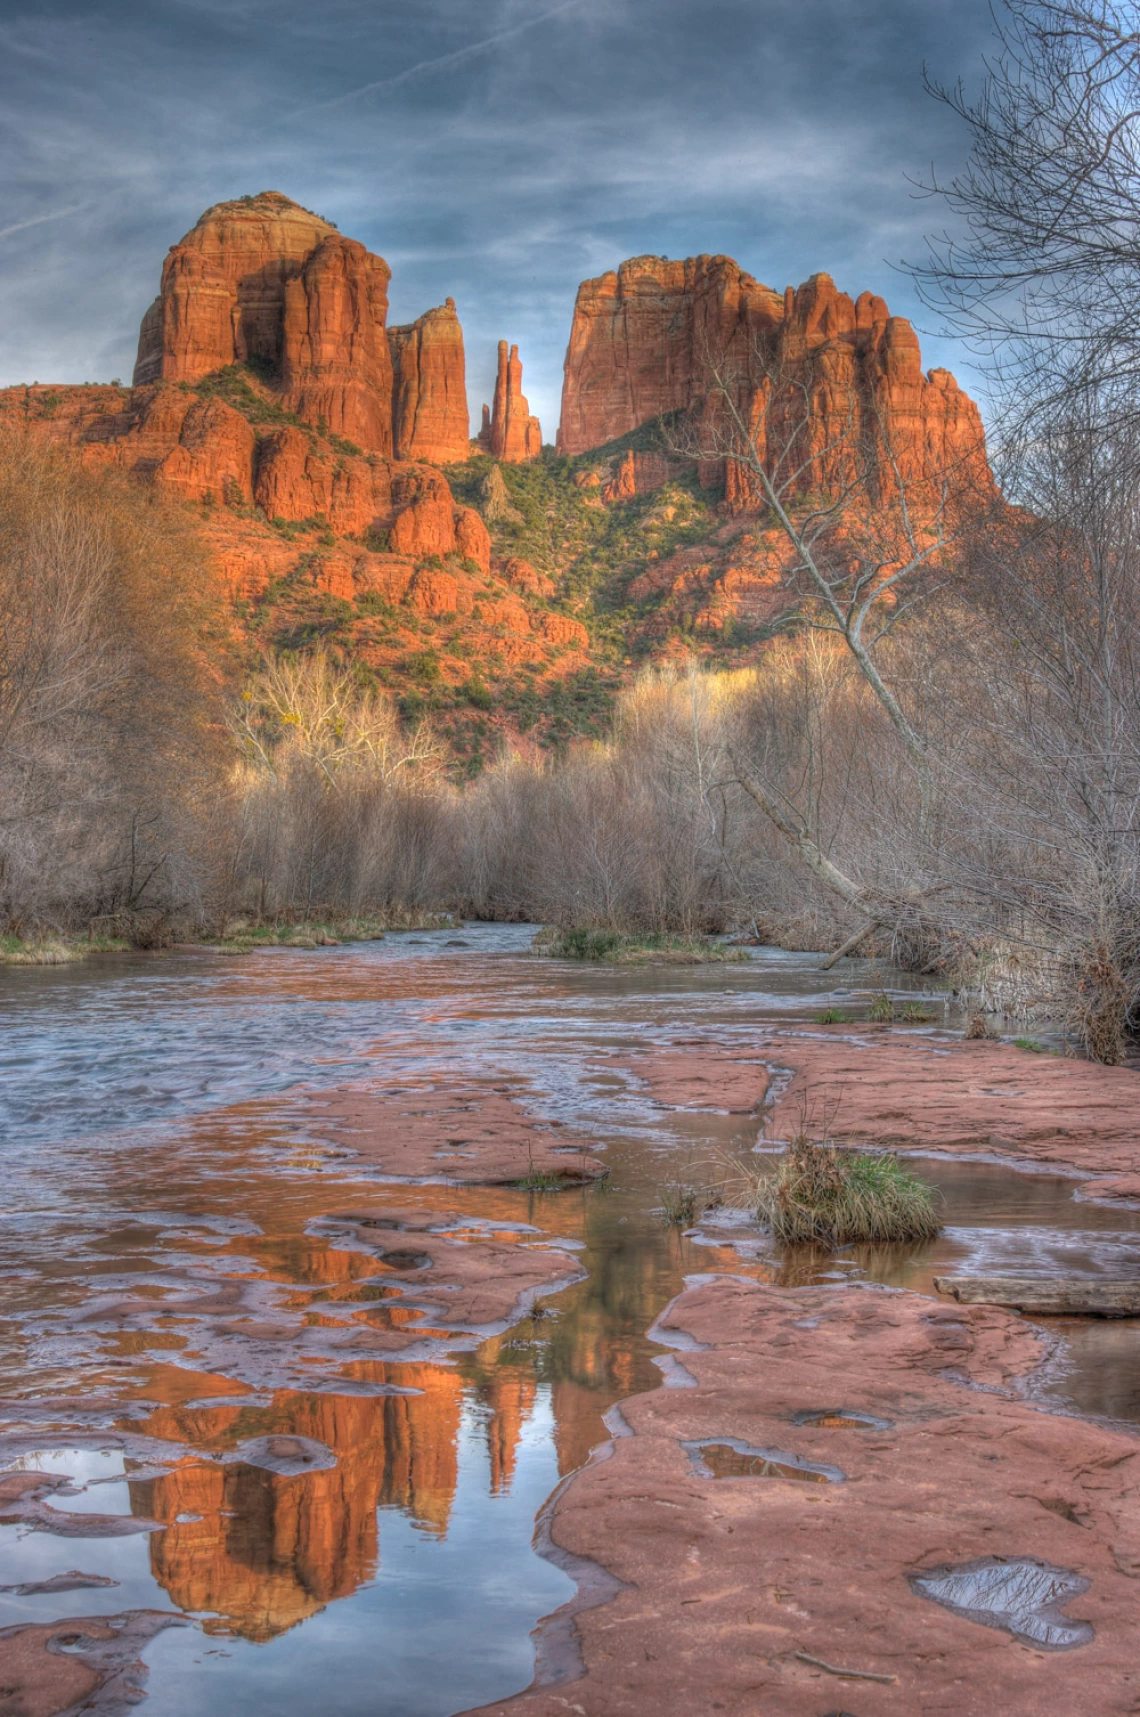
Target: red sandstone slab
x: 727, y: 1580
x: 915, y: 1091
x: 704, y: 1075
x: 82, y: 1663
x: 473, y: 1131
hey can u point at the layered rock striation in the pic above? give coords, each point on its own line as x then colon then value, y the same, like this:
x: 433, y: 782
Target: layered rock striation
x: 509, y: 431
x: 222, y: 297
x: 819, y: 378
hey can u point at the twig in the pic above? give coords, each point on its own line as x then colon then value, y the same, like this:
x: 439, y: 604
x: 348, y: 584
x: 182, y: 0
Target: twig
x: 850, y: 1674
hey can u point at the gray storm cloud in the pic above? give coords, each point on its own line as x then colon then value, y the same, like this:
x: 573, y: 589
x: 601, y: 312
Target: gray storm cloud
x: 497, y: 156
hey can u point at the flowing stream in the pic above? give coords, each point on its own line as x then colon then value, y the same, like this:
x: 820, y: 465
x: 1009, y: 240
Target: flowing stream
x: 384, y: 1562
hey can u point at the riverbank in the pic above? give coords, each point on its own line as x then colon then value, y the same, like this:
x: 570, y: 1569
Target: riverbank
x: 767, y: 1517
x: 904, y: 1090
x: 236, y: 936
x: 737, y: 1591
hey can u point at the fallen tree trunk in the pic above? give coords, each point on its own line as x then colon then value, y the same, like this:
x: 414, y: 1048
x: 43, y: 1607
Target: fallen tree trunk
x: 1066, y: 1296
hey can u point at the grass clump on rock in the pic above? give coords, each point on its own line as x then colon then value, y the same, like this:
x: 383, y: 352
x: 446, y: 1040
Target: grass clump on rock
x: 819, y: 1193
x: 617, y: 949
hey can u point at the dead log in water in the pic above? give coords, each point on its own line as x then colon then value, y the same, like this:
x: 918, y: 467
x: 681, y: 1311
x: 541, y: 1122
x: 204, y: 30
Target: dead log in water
x: 1060, y: 1297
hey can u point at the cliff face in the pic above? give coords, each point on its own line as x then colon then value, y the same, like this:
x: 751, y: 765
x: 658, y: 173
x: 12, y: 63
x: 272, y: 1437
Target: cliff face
x: 509, y: 431
x: 429, y: 397
x: 335, y: 363
x: 639, y: 336
x: 815, y: 373
x: 263, y: 282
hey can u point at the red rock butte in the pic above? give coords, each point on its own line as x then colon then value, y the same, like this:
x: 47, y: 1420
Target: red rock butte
x: 262, y: 281
x: 306, y: 436
x: 644, y: 339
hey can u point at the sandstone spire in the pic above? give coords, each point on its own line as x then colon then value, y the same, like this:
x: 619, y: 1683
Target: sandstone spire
x: 509, y: 431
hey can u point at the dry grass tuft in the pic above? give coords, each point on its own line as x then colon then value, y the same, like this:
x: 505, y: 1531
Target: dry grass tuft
x: 819, y: 1193
x: 51, y: 952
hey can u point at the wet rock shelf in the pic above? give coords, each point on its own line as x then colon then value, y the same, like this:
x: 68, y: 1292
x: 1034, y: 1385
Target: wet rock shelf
x: 1059, y: 1298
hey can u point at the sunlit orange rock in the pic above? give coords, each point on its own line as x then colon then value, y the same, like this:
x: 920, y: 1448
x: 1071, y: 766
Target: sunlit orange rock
x: 639, y: 340
x: 336, y: 369
x: 472, y: 538
x: 433, y: 525
x: 265, y: 282
x: 524, y: 577
x: 560, y: 629
x: 509, y: 432
x: 646, y: 339
x: 298, y: 479
x: 434, y: 592
x: 429, y: 388
x: 222, y: 298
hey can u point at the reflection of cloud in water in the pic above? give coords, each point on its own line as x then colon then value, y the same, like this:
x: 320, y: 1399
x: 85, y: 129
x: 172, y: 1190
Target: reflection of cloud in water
x: 1018, y: 1593
x: 1050, y: 1252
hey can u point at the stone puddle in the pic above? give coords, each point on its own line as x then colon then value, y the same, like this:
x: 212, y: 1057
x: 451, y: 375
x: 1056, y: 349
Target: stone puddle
x: 729, y: 1458
x: 265, y: 1411
x: 1016, y: 1593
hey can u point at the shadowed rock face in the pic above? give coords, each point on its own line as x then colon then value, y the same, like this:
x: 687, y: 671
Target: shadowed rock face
x: 643, y: 339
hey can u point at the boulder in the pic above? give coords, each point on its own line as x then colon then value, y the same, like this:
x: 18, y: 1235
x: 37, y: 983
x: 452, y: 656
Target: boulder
x: 524, y: 577
x: 213, y: 458
x: 472, y: 538
x: 560, y: 629
x: 298, y: 479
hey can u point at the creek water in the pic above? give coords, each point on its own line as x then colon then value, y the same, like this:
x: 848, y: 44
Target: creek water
x: 380, y: 1557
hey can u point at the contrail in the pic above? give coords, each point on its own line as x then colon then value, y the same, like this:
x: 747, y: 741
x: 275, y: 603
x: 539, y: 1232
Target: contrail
x: 38, y: 220
x: 453, y: 59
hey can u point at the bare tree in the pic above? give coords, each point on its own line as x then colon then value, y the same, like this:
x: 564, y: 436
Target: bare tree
x: 867, y: 539
x: 342, y: 808
x: 111, y: 748
x: 1041, y: 266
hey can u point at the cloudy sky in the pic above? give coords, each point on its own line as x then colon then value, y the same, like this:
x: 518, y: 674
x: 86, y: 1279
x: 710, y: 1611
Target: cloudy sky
x: 497, y: 151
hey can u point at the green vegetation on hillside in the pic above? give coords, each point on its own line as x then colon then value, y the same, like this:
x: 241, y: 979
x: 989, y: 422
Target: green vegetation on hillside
x: 595, y: 551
